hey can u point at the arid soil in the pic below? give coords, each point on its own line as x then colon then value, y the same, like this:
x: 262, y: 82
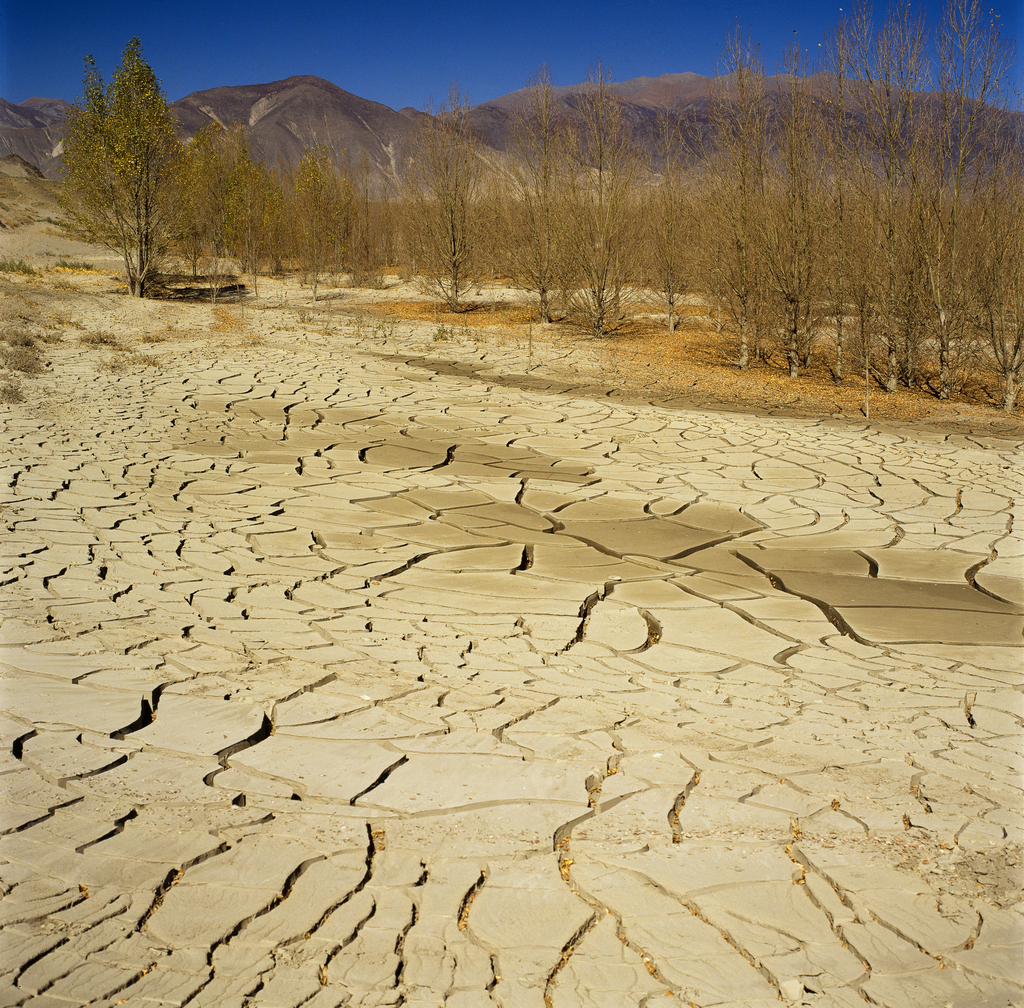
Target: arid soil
x: 357, y: 657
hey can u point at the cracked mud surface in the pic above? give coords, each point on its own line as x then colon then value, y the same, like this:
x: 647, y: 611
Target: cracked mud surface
x: 334, y: 680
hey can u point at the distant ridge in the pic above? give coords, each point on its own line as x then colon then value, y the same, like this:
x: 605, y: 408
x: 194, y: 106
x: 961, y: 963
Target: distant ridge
x: 48, y: 108
x: 284, y: 117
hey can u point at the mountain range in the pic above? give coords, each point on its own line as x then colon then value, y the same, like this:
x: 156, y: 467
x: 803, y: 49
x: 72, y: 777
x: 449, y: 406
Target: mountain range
x: 33, y: 130
x: 286, y: 116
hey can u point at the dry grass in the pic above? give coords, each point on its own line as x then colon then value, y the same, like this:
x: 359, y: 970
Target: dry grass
x: 19, y: 352
x: 499, y: 313
x: 62, y: 318
x: 226, y: 319
x: 25, y: 359
x: 72, y: 266
x: 694, y: 364
x: 116, y: 363
x: 696, y: 357
x: 99, y: 339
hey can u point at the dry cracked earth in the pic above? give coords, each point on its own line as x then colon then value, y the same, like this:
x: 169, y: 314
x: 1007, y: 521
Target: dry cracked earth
x: 334, y: 677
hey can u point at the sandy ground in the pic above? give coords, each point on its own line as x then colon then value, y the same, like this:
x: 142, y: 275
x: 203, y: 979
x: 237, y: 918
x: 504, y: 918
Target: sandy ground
x: 345, y: 665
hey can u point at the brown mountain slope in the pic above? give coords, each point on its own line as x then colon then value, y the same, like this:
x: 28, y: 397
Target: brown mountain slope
x: 49, y: 109
x: 284, y: 117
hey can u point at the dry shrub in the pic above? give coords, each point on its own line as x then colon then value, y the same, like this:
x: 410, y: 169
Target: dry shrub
x: 368, y: 281
x: 116, y: 363
x: 492, y: 313
x: 18, y: 337
x: 25, y: 359
x: 99, y: 339
x: 10, y: 392
x: 64, y: 319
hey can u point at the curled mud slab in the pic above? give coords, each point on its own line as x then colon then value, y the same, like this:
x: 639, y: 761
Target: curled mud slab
x: 331, y: 680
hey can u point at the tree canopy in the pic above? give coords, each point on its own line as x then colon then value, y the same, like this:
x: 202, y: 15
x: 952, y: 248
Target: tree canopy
x: 120, y: 156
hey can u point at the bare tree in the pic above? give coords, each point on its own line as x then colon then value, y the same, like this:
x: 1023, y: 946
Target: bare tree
x: 839, y: 207
x: 863, y: 261
x: 791, y: 216
x: 205, y: 236
x: 887, y: 66
x: 443, y: 183
x: 962, y: 129
x: 251, y: 208
x: 997, y: 258
x: 276, y: 231
x: 534, y: 185
x: 736, y: 188
x: 670, y: 213
x: 192, y: 238
x: 600, y: 218
x: 373, y: 224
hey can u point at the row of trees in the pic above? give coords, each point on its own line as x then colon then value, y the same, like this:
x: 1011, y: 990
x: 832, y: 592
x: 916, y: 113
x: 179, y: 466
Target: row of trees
x: 132, y: 186
x: 871, y: 214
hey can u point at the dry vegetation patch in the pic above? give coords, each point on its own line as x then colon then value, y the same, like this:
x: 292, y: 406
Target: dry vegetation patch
x: 99, y: 339
x: 484, y: 313
x: 73, y: 266
x: 20, y: 357
x: 696, y: 364
x: 16, y: 266
x: 692, y: 367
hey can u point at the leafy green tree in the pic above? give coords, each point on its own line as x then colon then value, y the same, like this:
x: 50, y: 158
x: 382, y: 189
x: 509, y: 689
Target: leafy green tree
x: 120, y: 157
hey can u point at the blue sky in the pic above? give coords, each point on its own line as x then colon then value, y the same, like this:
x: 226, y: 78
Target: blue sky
x: 404, y: 52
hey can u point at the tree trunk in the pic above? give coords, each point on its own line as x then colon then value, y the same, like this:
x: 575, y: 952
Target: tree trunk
x: 837, y: 371
x: 944, y: 366
x: 544, y: 311
x: 793, y: 345
x: 744, y: 358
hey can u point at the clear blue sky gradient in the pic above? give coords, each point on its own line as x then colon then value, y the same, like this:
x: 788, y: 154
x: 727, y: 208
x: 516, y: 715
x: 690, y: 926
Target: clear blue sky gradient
x: 405, y: 52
